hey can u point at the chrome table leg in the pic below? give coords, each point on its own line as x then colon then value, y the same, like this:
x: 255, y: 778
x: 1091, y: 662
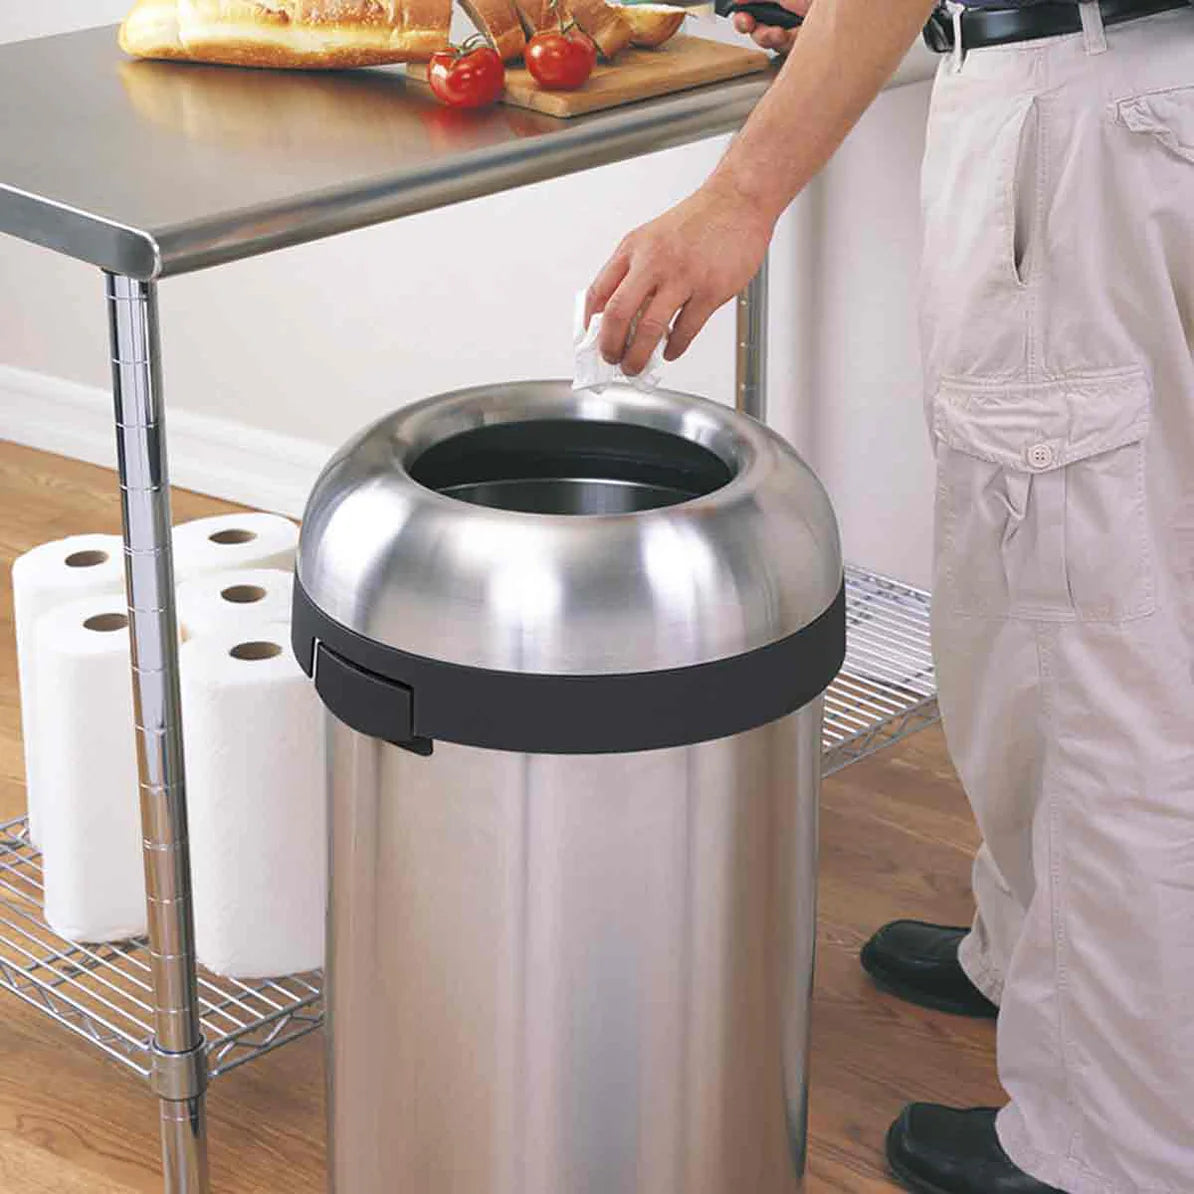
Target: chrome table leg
x: 180, y: 1068
x: 752, y: 347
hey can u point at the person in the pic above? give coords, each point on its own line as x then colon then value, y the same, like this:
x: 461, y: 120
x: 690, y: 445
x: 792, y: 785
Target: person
x: 1058, y: 334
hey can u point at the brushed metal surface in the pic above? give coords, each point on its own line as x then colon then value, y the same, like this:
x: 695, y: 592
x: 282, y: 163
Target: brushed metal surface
x: 155, y: 168
x: 721, y: 574
x: 581, y: 974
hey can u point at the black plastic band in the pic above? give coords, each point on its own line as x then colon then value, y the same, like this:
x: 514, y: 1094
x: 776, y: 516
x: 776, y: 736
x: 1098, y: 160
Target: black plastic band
x: 566, y: 714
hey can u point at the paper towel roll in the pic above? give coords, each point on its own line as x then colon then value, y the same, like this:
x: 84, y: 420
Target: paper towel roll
x: 233, y: 541
x: 239, y: 599
x: 87, y: 759
x: 253, y: 730
x: 43, y: 580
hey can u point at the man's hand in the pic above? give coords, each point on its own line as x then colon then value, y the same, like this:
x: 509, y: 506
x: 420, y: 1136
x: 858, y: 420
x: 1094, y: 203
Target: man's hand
x: 690, y: 261
x: 705, y: 250
x: 768, y: 36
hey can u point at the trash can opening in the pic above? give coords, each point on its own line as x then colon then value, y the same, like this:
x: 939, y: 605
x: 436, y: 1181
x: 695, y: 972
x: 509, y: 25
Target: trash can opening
x: 570, y: 466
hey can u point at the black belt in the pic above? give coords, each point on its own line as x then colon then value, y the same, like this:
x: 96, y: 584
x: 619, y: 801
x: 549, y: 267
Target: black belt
x: 1002, y: 27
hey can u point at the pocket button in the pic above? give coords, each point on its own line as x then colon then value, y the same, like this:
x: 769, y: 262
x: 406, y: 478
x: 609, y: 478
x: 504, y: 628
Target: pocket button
x: 1041, y: 456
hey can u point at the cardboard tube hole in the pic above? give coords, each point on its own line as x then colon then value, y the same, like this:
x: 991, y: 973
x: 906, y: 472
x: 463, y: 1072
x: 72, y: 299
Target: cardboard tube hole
x: 233, y: 536
x: 243, y: 594
x: 86, y: 559
x: 106, y: 623
x: 255, y: 651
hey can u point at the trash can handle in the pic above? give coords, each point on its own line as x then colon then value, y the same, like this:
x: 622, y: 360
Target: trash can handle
x: 367, y: 702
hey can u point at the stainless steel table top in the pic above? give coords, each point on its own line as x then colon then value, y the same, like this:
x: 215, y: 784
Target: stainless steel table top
x: 149, y: 169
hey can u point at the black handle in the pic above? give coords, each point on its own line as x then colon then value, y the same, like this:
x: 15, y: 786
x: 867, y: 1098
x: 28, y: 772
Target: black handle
x: 764, y: 12
x: 370, y: 704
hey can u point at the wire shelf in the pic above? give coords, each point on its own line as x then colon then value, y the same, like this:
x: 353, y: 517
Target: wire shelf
x: 104, y: 993
x: 886, y: 689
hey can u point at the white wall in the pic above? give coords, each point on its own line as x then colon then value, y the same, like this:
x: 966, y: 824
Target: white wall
x: 316, y: 341
x: 18, y: 21
x: 850, y: 387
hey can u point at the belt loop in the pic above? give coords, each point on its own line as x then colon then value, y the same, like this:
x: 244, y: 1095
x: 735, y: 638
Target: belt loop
x: 1092, y: 27
x: 955, y: 10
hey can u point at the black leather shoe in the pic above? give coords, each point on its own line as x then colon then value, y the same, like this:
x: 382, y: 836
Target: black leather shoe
x: 919, y: 963
x: 936, y: 1150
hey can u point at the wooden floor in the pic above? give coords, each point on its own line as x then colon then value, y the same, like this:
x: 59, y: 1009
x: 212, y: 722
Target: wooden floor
x: 897, y: 840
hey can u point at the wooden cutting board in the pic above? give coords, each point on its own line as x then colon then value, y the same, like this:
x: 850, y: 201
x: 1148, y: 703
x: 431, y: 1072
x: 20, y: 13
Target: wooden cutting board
x: 636, y: 74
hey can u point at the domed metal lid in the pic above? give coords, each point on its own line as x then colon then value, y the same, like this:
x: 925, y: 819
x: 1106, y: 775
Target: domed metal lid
x: 530, y: 528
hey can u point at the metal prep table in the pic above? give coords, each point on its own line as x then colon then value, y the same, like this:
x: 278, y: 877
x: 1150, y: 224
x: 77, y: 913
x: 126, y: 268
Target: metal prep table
x: 148, y: 170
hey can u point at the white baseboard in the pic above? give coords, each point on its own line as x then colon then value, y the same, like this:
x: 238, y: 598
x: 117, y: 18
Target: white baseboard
x: 262, y: 469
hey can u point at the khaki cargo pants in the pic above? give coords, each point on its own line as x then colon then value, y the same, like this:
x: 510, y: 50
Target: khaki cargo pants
x: 1059, y: 332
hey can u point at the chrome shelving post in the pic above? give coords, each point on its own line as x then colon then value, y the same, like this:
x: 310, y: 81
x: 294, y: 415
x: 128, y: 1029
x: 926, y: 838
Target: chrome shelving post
x: 751, y: 357
x: 179, y: 1072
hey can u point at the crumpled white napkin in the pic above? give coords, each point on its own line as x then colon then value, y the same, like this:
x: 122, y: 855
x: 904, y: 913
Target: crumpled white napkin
x: 592, y: 371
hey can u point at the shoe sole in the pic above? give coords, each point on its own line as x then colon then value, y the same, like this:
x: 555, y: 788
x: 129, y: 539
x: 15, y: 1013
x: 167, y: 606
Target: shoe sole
x: 906, y: 1177
x: 910, y: 1182
x: 913, y: 1182
x: 886, y: 982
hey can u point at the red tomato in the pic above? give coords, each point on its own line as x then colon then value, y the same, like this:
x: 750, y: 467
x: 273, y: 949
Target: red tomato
x: 561, y: 61
x: 467, y: 79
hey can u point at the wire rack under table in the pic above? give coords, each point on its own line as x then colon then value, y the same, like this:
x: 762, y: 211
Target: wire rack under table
x: 886, y: 689
x: 104, y: 993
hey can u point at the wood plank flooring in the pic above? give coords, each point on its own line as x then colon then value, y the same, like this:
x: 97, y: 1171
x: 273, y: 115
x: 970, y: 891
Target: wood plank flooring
x: 897, y: 839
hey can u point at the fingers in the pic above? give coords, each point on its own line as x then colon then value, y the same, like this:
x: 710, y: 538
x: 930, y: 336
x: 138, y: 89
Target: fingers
x: 621, y: 309
x: 768, y: 36
x: 771, y: 38
x: 652, y: 326
x: 606, y: 282
x: 693, y: 317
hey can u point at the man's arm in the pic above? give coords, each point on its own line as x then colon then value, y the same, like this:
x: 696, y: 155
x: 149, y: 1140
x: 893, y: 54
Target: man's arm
x: 705, y: 250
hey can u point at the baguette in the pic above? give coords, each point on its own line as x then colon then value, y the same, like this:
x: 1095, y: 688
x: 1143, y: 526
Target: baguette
x: 501, y: 22
x: 653, y: 24
x: 302, y: 34
x: 603, y: 22
x: 151, y: 31
x: 537, y: 16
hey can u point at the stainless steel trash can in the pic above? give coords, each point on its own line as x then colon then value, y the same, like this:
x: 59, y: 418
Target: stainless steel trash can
x: 573, y: 649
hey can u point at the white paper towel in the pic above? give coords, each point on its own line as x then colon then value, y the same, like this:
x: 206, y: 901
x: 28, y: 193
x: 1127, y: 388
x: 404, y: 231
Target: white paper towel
x: 253, y: 730
x: 90, y: 808
x: 227, y: 541
x: 238, y: 599
x: 591, y: 371
x: 43, y: 580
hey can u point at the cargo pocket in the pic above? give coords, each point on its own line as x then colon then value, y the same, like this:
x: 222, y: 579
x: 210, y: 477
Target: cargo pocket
x: 1167, y: 115
x: 1041, y: 506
